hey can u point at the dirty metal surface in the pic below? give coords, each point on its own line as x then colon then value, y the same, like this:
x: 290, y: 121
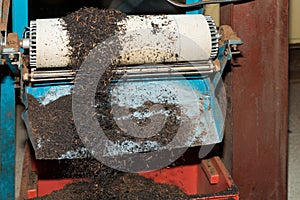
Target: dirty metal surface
x: 260, y: 98
x: 7, y: 137
x: 196, y: 108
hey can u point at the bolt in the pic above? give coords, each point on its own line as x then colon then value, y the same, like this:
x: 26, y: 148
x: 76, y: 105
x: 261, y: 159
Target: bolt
x: 11, y: 56
x: 234, y: 47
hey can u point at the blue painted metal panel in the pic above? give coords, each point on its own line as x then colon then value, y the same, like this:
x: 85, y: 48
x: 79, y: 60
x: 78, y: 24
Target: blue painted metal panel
x: 200, y: 11
x: 206, y: 86
x: 19, y: 16
x: 7, y: 138
x: 7, y: 112
x: 46, y: 94
x: 215, y: 120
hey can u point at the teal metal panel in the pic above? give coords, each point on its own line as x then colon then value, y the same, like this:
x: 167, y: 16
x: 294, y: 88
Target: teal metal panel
x: 7, y: 138
x: 204, y: 85
x: 19, y: 16
x: 218, y: 111
x: 46, y: 94
x: 200, y: 11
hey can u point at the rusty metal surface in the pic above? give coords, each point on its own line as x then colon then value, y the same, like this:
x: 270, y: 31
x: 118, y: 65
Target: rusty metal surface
x: 4, y: 14
x: 260, y: 98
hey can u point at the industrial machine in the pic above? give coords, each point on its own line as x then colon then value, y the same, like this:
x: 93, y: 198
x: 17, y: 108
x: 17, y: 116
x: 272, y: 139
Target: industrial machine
x: 162, y: 59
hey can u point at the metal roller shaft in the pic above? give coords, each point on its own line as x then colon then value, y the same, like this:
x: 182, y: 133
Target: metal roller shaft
x: 136, y: 71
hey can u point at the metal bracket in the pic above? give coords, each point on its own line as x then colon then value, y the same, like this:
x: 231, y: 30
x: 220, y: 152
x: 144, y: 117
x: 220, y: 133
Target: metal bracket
x: 228, y: 47
x: 10, y: 54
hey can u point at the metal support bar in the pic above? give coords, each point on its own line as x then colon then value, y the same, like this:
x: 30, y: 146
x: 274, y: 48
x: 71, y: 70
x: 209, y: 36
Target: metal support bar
x: 19, y: 16
x: 7, y: 138
x: 166, y: 74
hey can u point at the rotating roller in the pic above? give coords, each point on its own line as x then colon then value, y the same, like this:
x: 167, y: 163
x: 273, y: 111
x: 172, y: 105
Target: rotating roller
x: 144, y: 39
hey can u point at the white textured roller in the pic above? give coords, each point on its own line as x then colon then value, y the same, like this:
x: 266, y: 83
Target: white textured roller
x: 144, y: 39
x: 49, y: 43
x: 165, y: 38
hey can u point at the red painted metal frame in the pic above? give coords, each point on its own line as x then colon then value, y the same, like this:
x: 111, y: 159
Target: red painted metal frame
x: 47, y: 186
x: 192, y: 179
x: 260, y: 98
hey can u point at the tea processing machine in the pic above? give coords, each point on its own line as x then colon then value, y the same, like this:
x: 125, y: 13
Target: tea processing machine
x: 178, y: 59
x: 164, y: 58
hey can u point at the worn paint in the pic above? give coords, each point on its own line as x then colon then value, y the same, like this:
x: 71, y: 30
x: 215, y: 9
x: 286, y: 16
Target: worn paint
x: 47, y: 94
x: 7, y: 138
x: 194, y: 97
x: 260, y: 87
x: 198, y: 108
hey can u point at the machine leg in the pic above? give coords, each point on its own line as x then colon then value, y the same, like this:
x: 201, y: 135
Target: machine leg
x: 7, y: 138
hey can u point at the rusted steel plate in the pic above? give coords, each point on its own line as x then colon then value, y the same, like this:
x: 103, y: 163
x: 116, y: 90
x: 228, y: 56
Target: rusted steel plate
x: 260, y: 98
